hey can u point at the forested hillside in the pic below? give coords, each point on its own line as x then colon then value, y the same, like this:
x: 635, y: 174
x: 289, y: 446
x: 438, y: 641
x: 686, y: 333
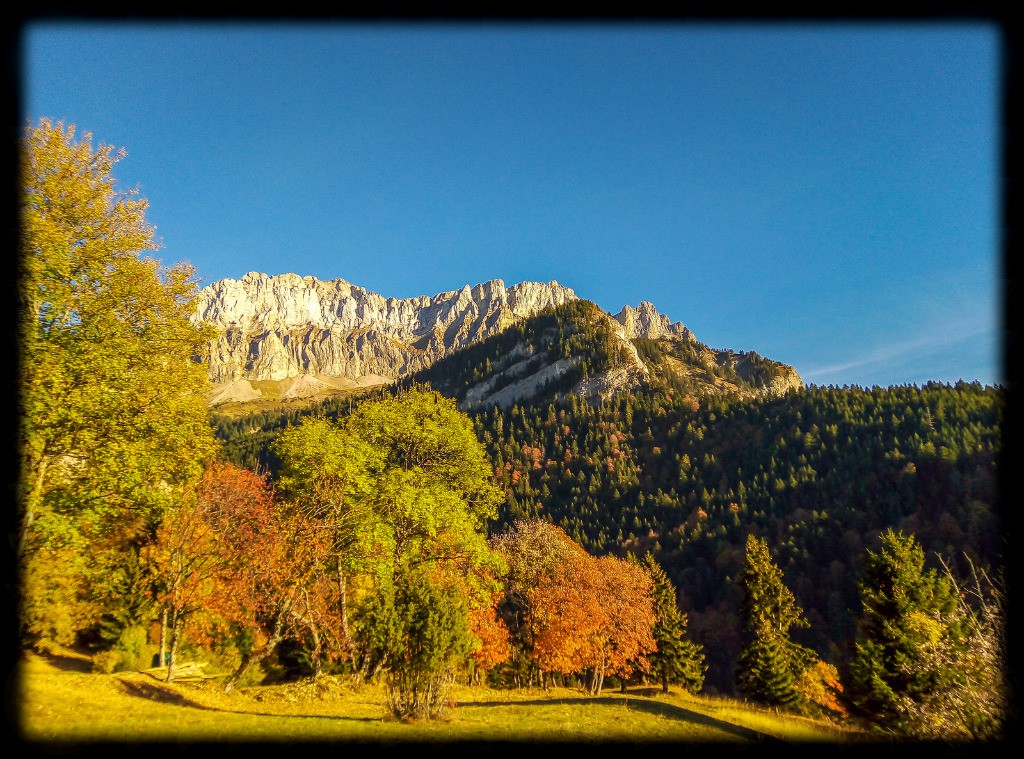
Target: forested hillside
x: 819, y: 473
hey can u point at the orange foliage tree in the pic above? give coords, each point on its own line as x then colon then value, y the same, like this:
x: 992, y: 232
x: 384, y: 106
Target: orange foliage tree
x: 208, y: 548
x: 486, y: 626
x: 532, y: 549
x: 296, y: 592
x: 230, y: 557
x: 596, y: 616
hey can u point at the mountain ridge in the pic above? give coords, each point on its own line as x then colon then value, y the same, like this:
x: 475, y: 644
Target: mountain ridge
x: 299, y: 336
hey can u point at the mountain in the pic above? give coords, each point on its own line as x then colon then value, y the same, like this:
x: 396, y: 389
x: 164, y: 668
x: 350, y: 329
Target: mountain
x: 275, y: 328
x: 576, y: 349
x: 289, y: 337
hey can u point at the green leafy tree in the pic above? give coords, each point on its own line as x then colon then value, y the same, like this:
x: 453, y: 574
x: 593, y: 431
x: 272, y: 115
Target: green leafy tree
x: 422, y: 627
x: 327, y: 473
x: 909, y: 614
x: 113, y: 420
x: 433, y: 493
x: 770, y: 662
x: 431, y: 483
x: 409, y: 490
x: 678, y: 660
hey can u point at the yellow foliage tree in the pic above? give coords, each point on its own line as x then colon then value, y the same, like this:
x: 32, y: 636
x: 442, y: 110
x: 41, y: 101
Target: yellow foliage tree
x: 113, y: 417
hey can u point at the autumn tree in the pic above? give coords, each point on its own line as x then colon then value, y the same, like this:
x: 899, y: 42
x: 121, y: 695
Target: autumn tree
x: 492, y: 645
x: 113, y: 420
x: 305, y: 595
x: 532, y: 549
x: 211, y: 553
x: 587, y: 615
x: 567, y: 611
x: 770, y: 662
x: 677, y: 660
x: 625, y: 638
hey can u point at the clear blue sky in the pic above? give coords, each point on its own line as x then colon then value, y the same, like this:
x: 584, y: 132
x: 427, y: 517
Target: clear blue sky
x: 826, y: 195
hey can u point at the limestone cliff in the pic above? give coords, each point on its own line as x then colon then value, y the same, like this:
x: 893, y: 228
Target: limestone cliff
x: 288, y: 337
x: 277, y: 327
x: 645, y: 321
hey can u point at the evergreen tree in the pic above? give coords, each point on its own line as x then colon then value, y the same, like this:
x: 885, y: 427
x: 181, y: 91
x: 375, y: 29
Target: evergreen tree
x: 972, y: 699
x: 421, y: 627
x: 906, y: 611
x: 677, y: 660
x: 770, y: 662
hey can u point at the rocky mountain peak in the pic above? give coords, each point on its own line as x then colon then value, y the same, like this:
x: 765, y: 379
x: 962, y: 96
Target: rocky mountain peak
x: 277, y: 327
x: 645, y: 321
x: 305, y: 335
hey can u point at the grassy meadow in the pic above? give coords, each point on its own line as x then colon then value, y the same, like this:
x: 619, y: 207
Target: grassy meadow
x: 61, y: 701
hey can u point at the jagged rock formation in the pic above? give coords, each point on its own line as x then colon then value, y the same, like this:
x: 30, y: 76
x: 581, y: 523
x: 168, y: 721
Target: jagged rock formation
x: 285, y: 337
x: 645, y: 321
x: 287, y: 326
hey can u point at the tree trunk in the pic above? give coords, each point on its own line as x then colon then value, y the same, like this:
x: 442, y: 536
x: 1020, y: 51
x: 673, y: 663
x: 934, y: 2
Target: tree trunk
x: 377, y: 668
x: 176, y: 621
x: 317, y: 664
x: 254, y: 656
x: 664, y: 682
x: 32, y: 499
x: 343, y: 594
x: 163, y: 637
x: 598, y: 679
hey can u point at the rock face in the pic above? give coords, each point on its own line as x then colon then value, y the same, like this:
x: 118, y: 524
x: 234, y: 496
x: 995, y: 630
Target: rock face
x: 292, y: 337
x: 277, y: 327
x: 644, y: 321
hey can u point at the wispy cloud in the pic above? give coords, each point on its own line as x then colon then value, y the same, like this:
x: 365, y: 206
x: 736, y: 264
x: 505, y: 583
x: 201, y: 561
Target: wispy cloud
x: 900, y: 353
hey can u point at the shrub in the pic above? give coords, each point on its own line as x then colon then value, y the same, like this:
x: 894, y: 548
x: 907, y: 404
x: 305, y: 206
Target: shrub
x: 130, y: 652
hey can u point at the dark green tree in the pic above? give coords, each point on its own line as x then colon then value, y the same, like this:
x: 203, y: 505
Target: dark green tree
x: 678, y: 660
x: 770, y: 662
x: 424, y: 629
x: 907, y: 610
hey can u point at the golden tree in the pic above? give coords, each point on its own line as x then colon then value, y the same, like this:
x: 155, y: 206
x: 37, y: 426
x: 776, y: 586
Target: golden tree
x: 113, y: 418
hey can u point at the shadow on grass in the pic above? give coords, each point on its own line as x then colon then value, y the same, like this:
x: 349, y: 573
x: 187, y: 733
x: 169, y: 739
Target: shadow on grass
x: 78, y: 663
x: 155, y: 691
x: 165, y: 695
x: 651, y: 707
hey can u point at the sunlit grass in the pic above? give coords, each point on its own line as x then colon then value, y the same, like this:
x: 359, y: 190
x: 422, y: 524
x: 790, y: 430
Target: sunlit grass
x: 67, y: 705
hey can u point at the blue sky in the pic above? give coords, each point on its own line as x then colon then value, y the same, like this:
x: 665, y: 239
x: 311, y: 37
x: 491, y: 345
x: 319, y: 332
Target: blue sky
x: 828, y: 195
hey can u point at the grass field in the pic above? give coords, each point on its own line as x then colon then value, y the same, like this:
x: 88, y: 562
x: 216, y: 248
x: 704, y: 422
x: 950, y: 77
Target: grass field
x: 60, y: 701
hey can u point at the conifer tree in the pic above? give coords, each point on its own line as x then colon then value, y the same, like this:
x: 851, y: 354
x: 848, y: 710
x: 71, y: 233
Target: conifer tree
x: 906, y: 610
x: 678, y: 660
x: 769, y: 662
